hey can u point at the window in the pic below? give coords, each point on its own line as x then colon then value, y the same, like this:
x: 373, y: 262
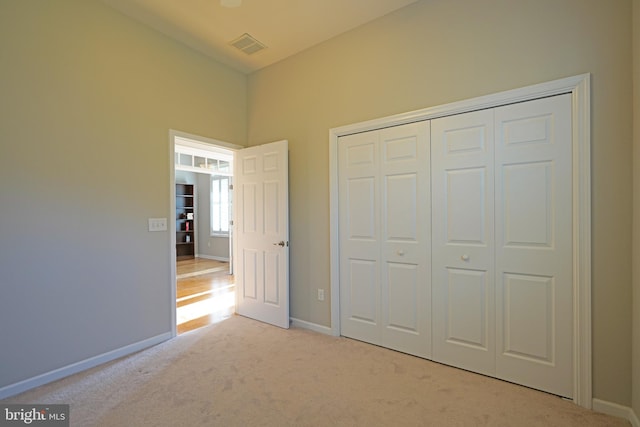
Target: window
x: 220, y: 205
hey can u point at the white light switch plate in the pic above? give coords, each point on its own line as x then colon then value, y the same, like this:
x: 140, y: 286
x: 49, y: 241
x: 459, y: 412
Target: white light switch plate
x: 157, y: 224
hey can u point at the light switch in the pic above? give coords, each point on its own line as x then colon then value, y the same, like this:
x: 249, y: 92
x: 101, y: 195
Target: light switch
x: 157, y: 224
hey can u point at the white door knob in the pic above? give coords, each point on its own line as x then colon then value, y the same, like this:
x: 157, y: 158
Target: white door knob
x: 400, y: 252
x: 465, y: 257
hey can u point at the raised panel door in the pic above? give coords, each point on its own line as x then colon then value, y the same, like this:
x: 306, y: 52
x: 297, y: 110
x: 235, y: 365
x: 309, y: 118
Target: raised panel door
x: 463, y: 241
x: 405, y: 238
x: 384, y: 219
x: 534, y: 282
x: 262, y: 233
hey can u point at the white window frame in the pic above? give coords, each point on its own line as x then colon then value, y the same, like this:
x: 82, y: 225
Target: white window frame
x: 222, y: 208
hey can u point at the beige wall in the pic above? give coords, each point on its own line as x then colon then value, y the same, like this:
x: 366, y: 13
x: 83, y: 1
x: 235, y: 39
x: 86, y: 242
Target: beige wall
x: 439, y: 51
x: 636, y: 209
x: 87, y: 98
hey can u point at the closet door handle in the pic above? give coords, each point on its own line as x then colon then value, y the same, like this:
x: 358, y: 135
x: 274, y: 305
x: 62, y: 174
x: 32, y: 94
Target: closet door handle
x: 465, y: 257
x: 280, y: 243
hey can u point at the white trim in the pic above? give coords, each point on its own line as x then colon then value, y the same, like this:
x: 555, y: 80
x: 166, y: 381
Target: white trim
x: 303, y: 324
x: 202, y: 171
x: 74, y: 368
x: 194, y: 145
x: 581, y: 122
x: 579, y: 87
x: 616, y: 410
x: 202, y: 142
x: 172, y: 234
x: 334, y: 233
x: 198, y: 142
x: 216, y: 185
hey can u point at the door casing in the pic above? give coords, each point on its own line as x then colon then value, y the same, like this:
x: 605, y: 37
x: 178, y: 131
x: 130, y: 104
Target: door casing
x: 579, y: 88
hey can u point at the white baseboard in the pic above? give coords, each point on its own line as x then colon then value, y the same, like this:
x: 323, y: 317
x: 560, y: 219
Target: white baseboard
x: 616, y: 410
x: 215, y: 258
x: 311, y: 326
x: 65, y: 371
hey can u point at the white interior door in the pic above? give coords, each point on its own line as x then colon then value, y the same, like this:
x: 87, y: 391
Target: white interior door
x: 534, y: 264
x: 384, y: 245
x: 463, y: 241
x: 261, y: 225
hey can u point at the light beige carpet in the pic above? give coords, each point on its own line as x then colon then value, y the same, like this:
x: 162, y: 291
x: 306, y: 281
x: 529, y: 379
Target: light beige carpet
x: 244, y: 373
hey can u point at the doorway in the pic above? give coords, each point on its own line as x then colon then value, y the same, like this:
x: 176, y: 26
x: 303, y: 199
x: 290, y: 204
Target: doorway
x: 205, y: 293
x: 203, y: 288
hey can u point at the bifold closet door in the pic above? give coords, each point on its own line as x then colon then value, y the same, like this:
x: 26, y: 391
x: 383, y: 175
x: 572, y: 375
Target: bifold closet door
x: 463, y: 241
x: 534, y: 254
x: 502, y: 243
x: 384, y: 193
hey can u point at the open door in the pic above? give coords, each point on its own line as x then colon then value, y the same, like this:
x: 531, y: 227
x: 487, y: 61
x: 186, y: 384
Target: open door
x: 261, y: 223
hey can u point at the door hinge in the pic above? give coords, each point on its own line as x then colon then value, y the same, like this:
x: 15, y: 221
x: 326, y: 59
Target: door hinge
x: 230, y: 186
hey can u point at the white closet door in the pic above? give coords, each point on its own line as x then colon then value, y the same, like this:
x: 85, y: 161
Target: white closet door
x: 534, y: 294
x: 385, y: 236
x: 502, y: 250
x: 405, y: 233
x: 463, y: 241
x: 359, y: 184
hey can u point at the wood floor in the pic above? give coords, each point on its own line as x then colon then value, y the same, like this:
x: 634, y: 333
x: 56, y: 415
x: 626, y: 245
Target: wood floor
x: 205, y: 293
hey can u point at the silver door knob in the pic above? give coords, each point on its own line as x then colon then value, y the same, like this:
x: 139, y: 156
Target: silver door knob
x: 280, y: 243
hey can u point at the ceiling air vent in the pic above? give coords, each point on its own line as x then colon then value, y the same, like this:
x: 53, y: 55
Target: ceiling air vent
x: 247, y: 44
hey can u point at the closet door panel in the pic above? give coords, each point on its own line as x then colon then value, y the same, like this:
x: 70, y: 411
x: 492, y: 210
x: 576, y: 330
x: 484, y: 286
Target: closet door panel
x: 466, y: 305
x: 362, y: 298
x: 466, y: 206
x: 359, y: 220
x: 405, y: 243
x: 402, y: 298
x: 534, y: 300
x: 463, y: 241
x: 528, y: 303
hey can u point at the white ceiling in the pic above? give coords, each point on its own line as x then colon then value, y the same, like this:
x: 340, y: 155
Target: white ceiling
x: 286, y: 27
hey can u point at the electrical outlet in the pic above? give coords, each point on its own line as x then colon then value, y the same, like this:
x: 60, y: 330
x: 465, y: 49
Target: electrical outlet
x: 320, y: 294
x: 157, y: 224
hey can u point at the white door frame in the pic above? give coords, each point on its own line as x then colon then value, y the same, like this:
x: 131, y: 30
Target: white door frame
x: 579, y: 88
x: 201, y: 140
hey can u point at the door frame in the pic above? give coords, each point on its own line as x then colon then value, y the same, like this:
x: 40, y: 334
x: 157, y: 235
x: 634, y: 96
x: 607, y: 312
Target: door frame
x: 580, y: 88
x: 200, y: 140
